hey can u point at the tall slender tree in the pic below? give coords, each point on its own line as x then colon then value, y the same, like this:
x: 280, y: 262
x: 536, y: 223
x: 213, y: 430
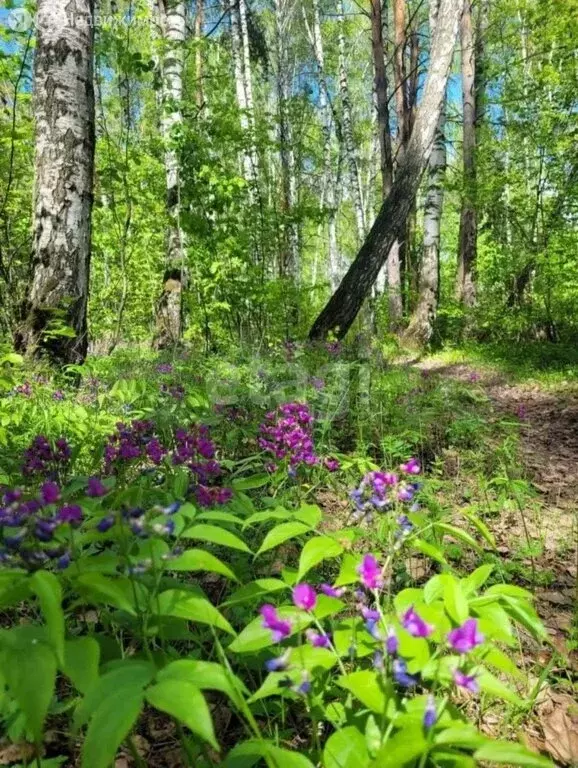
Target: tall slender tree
x: 172, y: 23
x: 343, y: 307
x: 467, y: 248
x: 421, y: 326
x: 64, y: 161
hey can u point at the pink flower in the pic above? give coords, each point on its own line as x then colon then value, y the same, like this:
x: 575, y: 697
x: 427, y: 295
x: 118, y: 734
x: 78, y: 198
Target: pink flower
x: 465, y: 638
x: 413, y: 623
x: 331, y: 464
x: 304, y: 596
x: 411, y: 467
x: 370, y: 573
x: 330, y: 591
x: 318, y: 640
x: 469, y: 682
x: 280, y: 628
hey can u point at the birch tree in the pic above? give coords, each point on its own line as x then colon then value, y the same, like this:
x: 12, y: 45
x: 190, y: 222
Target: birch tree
x: 467, y: 248
x: 64, y: 161
x: 421, y: 327
x: 172, y: 23
x: 343, y: 307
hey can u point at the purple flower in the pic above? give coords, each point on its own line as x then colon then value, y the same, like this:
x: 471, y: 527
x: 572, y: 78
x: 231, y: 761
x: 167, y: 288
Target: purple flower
x: 317, y: 383
x: 331, y: 464
x: 44, y: 530
x: 330, y: 591
x: 95, y: 487
x: 415, y: 625
x: 63, y: 561
x: 304, y: 597
x: 378, y: 661
x: 280, y: 628
x: 430, y: 715
x: 304, y: 687
x: 279, y: 663
x: 70, y: 513
x: 50, y: 492
x: 473, y: 377
x: 405, y: 525
x: 370, y: 573
x: 411, y: 467
x: 468, y: 682
x: 369, y: 614
x: 58, y: 395
x: 164, y: 368
x: 391, y: 643
x: 105, y: 523
x: 465, y: 638
x: 317, y: 639
x: 401, y: 675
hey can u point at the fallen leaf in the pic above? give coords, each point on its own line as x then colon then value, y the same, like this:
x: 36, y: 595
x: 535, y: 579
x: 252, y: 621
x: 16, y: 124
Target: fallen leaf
x: 558, y: 717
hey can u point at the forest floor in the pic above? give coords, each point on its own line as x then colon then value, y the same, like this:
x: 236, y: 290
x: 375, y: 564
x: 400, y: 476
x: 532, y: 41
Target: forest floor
x: 548, y: 454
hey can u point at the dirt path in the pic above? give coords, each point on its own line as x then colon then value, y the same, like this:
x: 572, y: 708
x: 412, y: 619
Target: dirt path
x: 549, y: 455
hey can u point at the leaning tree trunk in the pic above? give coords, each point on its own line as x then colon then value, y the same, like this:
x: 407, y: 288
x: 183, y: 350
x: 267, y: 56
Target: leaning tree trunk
x: 169, y: 309
x: 342, y: 308
x: 64, y: 162
x: 467, y: 249
x: 421, y: 326
x: 347, y: 128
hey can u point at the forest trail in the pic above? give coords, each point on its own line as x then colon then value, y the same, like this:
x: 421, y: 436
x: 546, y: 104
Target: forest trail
x: 548, y: 453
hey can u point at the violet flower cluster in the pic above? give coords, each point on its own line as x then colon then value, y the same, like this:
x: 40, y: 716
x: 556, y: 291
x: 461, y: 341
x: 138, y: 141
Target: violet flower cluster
x: 287, y: 434
x: 45, y: 459
x: 31, y: 528
x: 379, y: 491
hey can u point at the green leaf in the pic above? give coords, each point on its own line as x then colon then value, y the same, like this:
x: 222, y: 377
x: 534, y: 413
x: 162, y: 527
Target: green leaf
x: 199, y: 560
x: 429, y: 550
x: 29, y: 666
x: 106, y: 590
x: 255, y: 637
x: 346, y: 748
x: 49, y: 592
x: 458, y: 533
x: 215, y: 535
x: 348, y: 572
x: 494, y: 687
x: 110, y: 724
x: 255, y: 590
x: 454, y: 600
x: 464, y: 736
x: 366, y: 686
x: 81, y: 658
x: 281, y: 533
x: 185, y: 702
x: 526, y: 616
x: 509, y: 590
x: 130, y: 676
x: 271, y: 514
x: 476, y: 579
x: 220, y: 517
x: 406, y: 745
x: 481, y: 528
x: 249, y: 753
x: 247, y: 483
x: 205, y: 675
x: 192, y: 606
x: 310, y: 514
x: 512, y: 754
x: 315, y: 551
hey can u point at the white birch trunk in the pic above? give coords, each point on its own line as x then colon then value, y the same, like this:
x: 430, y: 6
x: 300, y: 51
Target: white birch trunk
x: 348, y: 138
x: 63, y: 195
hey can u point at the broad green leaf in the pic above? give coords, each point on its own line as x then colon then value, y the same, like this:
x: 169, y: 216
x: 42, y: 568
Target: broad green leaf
x: 255, y: 637
x: 130, y: 676
x: 481, y: 527
x: 499, y: 660
x: 526, y: 616
x: 454, y: 600
x: 304, y: 657
x: 433, y: 589
x: 494, y: 622
x: 215, y: 535
x: 199, y: 560
x: 366, y: 686
x: 512, y: 754
x: 49, y: 593
x: 249, y: 753
x: 310, y: 514
x: 14, y: 588
x: 430, y: 550
x: 188, y: 605
x: 206, y: 675
x: 406, y: 745
x: 476, y: 579
x: 247, y: 483
x: 464, y: 736
x: 106, y: 590
x: 220, y: 517
x: 271, y: 514
x: 509, y: 590
x: 281, y: 533
x: 458, y: 533
x: 494, y: 687
x: 346, y: 748
x: 81, y: 658
x: 348, y: 572
x: 255, y: 590
x: 110, y: 724
x: 315, y: 551
x: 185, y: 702
x: 29, y: 666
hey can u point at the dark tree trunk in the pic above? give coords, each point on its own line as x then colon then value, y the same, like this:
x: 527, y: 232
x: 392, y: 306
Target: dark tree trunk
x: 64, y: 162
x: 346, y: 302
x: 380, y: 84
